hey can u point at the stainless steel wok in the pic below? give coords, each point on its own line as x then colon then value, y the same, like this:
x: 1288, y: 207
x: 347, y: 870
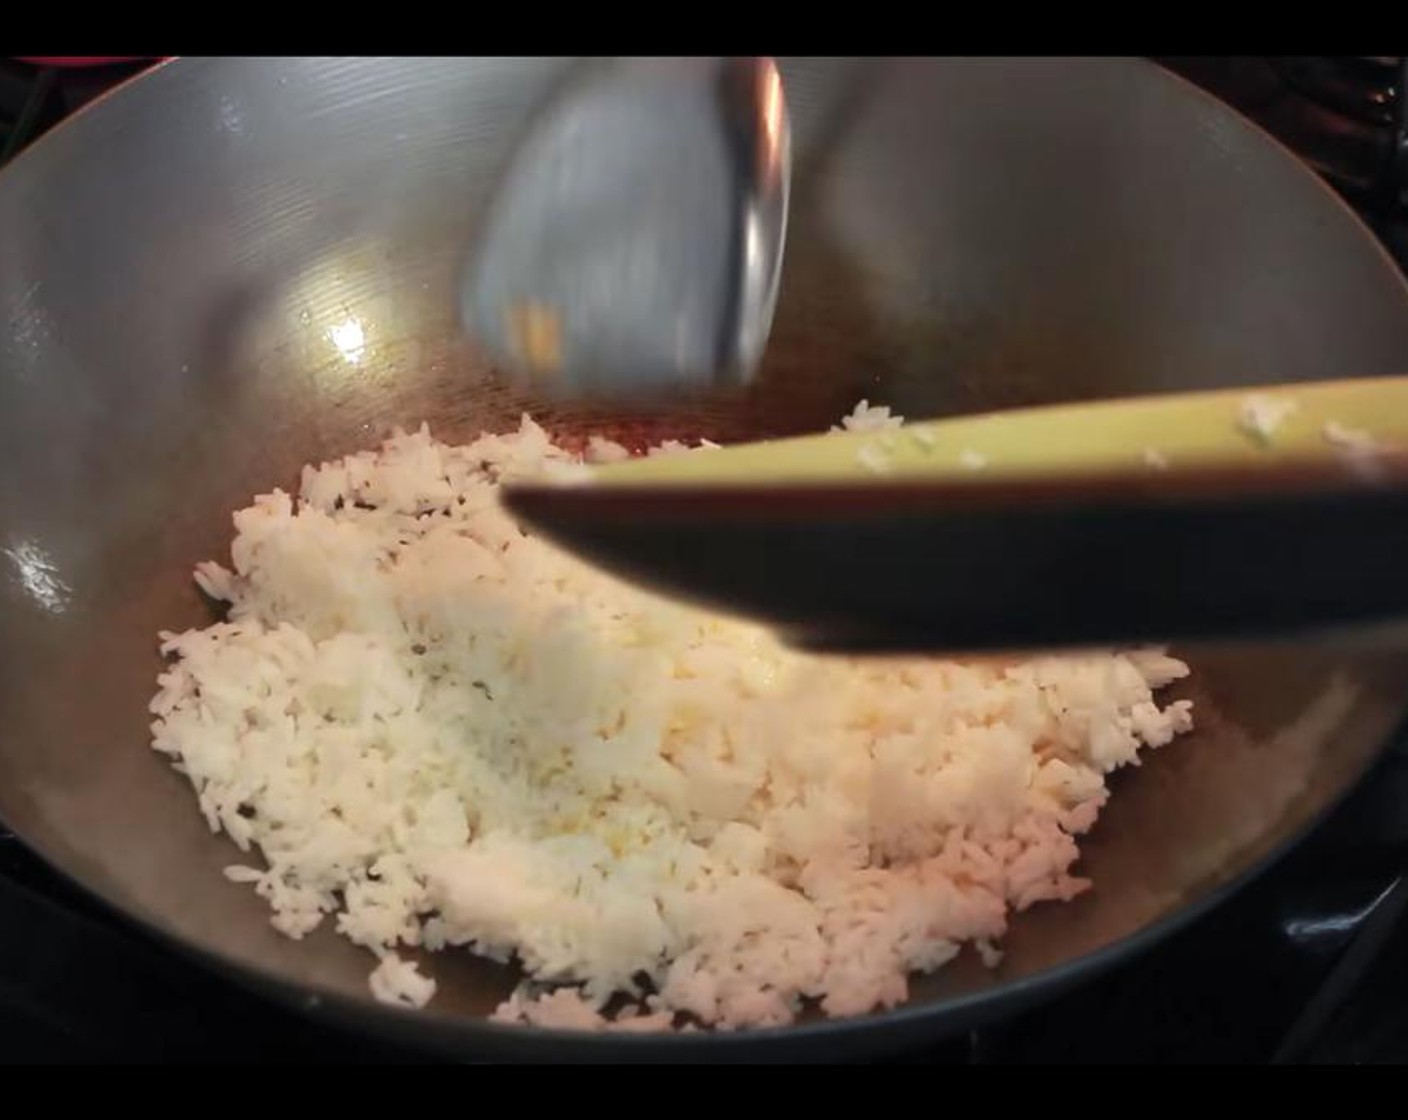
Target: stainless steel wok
x: 231, y: 267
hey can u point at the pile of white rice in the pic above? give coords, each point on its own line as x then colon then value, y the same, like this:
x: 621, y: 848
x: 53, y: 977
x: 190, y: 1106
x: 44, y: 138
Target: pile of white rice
x: 436, y: 731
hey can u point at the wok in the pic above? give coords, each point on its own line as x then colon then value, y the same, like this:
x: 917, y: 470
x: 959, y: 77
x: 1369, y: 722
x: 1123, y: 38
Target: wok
x: 231, y: 267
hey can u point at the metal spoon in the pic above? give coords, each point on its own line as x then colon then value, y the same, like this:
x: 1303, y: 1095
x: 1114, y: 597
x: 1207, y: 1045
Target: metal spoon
x: 635, y: 243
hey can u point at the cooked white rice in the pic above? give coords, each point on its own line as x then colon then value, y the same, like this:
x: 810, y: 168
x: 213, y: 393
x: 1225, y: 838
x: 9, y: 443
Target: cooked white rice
x: 1259, y: 415
x: 1155, y: 459
x: 874, y: 458
x: 867, y: 417
x: 434, y: 730
x: 1351, y: 441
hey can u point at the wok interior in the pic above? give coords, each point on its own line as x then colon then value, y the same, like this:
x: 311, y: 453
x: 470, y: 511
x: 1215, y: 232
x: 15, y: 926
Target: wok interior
x: 233, y: 267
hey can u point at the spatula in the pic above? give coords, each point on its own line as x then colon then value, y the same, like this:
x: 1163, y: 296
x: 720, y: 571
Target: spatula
x: 1228, y: 514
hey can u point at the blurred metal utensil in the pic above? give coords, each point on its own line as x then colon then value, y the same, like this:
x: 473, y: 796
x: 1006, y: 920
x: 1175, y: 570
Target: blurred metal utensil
x: 635, y: 244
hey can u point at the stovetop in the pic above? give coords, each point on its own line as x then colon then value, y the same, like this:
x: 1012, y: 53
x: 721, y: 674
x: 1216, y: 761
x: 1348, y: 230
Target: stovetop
x: 1308, y: 964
